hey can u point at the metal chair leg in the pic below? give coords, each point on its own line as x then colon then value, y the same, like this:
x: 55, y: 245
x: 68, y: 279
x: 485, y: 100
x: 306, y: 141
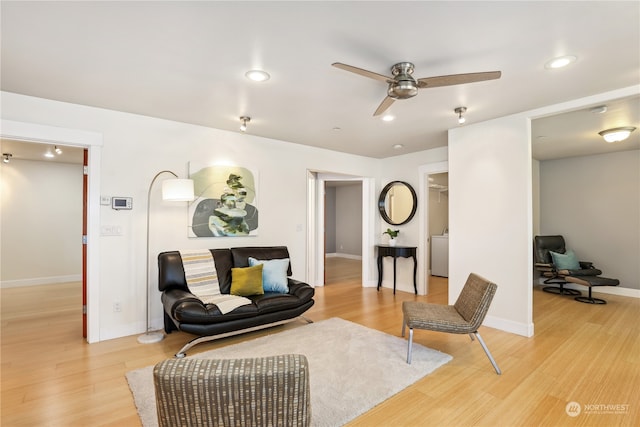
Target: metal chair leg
x: 410, y: 342
x: 488, y: 353
x: 404, y: 324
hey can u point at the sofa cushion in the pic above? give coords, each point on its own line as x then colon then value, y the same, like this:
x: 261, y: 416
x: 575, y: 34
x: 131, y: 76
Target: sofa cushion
x: 274, y: 274
x: 241, y: 255
x: 247, y: 281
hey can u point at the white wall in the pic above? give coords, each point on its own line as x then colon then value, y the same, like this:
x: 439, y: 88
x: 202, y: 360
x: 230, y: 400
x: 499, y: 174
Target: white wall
x: 407, y: 168
x: 349, y: 219
x: 490, y: 216
x: 594, y: 202
x: 41, y: 219
x: 135, y: 148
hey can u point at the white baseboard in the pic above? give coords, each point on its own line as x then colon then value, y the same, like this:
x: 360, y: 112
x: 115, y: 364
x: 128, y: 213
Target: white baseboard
x: 36, y: 281
x: 341, y: 255
x: 526, y: 330
x: 611, y: 290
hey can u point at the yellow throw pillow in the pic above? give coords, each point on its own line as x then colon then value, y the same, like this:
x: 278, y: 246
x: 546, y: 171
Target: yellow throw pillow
x: 247, y: 281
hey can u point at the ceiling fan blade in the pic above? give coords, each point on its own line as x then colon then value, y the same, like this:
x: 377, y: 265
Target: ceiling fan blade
x: 457, y: 79
x: 362, y: 72
x: 386, y: 103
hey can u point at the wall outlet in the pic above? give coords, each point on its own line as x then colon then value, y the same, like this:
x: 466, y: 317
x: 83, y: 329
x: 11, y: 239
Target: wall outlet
x: 117, y: 307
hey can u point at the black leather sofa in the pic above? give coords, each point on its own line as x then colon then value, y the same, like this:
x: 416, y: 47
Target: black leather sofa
x: 184, y: 312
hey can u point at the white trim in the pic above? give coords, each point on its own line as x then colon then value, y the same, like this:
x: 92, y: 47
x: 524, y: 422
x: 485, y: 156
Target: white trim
x: 93, y: 141
x: 526, y: 330
x: 315, y: 225
x: 37, y: 281
x: 423, y: 216
x: 610, y: 290
x: 341, y: 255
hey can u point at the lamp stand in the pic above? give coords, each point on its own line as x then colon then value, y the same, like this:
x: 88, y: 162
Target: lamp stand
x: 150, y: 337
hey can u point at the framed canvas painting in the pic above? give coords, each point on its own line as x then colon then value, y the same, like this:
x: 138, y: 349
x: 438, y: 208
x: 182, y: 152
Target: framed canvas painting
x: 225, y: 203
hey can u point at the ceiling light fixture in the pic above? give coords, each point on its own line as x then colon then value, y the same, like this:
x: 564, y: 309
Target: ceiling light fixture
x: 6, y: 157
x: 459, y: 111
x: 57, y: 150
x: 600, y: 109
x: 257, y: 75
x: 560, y: 62
x: 49, y: 153
x: 398, y: 146
x: 243, y: 125
x: 617, y: 134
x: 388, y: 117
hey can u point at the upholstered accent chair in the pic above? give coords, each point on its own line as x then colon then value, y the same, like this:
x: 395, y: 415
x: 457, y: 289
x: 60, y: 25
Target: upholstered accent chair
x: 559, y: 266
x: 266, y: 391
x: 464, y: 317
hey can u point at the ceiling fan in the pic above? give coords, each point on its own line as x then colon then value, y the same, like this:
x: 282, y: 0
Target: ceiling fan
x: 403, y: 86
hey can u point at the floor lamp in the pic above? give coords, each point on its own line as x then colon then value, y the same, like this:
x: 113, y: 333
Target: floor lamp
x: 174, y: 190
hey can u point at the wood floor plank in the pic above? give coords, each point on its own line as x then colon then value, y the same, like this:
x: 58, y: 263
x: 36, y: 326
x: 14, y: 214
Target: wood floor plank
x: 580, y: 352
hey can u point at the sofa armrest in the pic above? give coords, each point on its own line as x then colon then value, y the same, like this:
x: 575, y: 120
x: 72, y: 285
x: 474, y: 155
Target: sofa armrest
x: 173, y: 297
x: 302, y: 290
x: 273, y: 390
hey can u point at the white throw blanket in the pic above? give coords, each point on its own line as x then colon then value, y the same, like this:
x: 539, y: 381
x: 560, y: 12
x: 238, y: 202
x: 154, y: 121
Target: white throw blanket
x: 202, y: 280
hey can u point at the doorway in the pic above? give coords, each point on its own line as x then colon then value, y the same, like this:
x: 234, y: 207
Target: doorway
x: 316, y: 223
x: 44, y: 218
x: 342, y: 226
x: 92, y: 141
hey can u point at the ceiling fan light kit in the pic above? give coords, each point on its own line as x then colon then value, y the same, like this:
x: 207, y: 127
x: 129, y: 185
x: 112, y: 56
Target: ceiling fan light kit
x: 616, y: 134
x: 403, y: 86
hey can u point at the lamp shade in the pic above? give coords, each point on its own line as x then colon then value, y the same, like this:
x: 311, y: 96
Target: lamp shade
x: 177, y: 190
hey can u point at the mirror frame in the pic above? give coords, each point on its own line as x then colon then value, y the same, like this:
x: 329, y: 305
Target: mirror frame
x: 383, y: 196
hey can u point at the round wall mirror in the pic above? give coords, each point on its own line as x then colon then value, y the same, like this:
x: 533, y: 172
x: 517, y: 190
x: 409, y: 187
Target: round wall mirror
x: 397, y: 203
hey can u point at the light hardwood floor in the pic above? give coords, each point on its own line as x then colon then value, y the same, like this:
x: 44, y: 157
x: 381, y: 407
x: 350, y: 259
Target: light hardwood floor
x: 582, y: 353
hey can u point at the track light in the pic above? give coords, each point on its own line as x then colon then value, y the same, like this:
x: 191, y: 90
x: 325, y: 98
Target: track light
x: 243, y: 125
x: 6, y: 157
x: 617, y: 134
x: 459, y: 111
x: 57, y: 150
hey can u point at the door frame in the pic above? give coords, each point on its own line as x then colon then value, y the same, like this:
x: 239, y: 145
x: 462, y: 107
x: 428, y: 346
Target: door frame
x: 423, y: 241
x: 92, y: 141
x: 315, y: 225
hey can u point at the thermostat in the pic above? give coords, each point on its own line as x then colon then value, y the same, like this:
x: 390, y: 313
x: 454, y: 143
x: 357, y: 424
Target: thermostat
x: 119, y: 203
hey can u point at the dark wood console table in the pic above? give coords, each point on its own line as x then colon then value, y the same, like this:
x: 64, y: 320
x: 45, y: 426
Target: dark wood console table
x: 395, y: 252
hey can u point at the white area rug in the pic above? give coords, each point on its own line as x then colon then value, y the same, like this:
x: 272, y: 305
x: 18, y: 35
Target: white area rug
x: 352, y: 368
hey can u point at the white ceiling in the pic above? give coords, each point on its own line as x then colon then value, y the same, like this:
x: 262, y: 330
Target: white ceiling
x: 185, y: 61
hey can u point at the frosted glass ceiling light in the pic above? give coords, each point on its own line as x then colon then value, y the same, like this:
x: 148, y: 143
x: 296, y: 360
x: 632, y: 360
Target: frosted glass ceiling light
x: 617, y: 134
x: 459, y: 111
x: 560, y: 62
x: 6, y: 157
x: 57, y: 150
x: 257, y: 75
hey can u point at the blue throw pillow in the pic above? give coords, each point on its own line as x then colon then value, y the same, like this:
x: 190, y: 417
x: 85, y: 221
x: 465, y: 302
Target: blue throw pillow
x: 565, y: 261
x: 274, y: 274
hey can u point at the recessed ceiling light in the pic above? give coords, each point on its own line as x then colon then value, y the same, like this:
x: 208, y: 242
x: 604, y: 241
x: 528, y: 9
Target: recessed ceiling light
x: 388, y: 117
x: 398, y: 146
x: 560, y: 61
x: 337, y: 128
x: 257, y: 75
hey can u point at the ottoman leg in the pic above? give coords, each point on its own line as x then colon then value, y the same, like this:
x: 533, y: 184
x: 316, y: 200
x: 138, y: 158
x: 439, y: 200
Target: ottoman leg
x: 590, y: 299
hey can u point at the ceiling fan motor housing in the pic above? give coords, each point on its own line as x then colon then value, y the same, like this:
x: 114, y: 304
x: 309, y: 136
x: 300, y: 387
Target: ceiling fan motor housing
x: 404, y: 85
